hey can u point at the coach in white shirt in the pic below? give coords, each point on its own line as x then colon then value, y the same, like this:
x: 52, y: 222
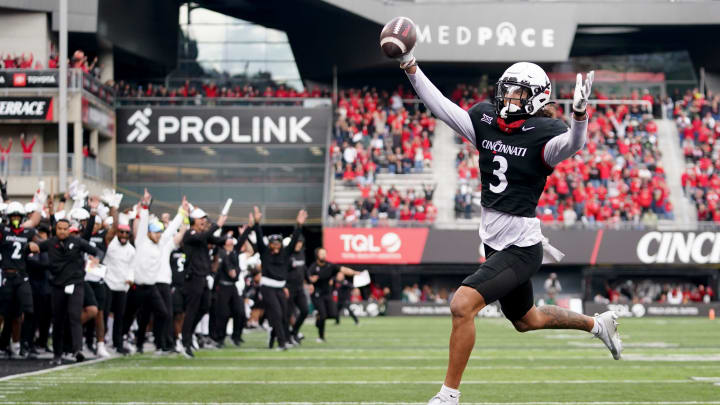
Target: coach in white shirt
x: 147, y: 267
x: 119, y: 276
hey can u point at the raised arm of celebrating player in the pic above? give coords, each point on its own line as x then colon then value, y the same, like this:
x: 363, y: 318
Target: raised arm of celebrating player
x: 556, y: 150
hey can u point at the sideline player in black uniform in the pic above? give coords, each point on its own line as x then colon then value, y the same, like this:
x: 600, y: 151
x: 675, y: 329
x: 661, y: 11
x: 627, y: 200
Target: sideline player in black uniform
x: 177, y: 266
x: 297, y: 303
x: 16, y: 301
x: 275, y: 264
x: 519, y: 145
x: 322, y: 275
x: 344, y: 288
x: 228, y: 301
x: 98, y: 237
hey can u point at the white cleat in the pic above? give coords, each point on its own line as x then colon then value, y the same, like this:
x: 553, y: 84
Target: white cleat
x: 102, y: 351
x: 444, y: 399
x: 609, y: 334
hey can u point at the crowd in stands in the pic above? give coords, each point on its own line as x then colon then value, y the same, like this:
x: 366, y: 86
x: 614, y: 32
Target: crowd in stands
x: 413, y: 294
x: 617, y: 176
x: 27, y: 61
x: 212, y: 90
x: 375, y: 132
x: 697, y: 116
x: 651, y: 291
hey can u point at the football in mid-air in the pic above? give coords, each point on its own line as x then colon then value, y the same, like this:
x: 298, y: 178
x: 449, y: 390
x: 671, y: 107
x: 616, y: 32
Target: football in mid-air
x: 398, y: 37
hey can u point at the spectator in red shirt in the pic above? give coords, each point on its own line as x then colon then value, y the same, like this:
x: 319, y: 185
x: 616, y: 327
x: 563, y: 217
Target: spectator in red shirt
x: 27, y: 154
x: 4, y: 152
x: 211, y: 90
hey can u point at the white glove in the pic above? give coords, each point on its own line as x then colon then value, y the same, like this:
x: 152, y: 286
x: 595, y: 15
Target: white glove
x: 103, y: 211
x: 407, y: 59
x: 107, y: 196
x: 582, y: 92
x: 116, y: 201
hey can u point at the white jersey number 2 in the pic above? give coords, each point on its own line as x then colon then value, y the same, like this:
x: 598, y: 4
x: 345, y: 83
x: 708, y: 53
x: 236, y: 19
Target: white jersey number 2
x: 500, y: 174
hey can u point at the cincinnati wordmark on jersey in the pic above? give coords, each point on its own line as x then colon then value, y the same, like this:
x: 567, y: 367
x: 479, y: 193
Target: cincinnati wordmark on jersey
x: 14, y: 246
x: 512, y: 167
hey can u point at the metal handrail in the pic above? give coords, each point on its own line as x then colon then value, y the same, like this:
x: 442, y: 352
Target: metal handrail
x: 307, y: 102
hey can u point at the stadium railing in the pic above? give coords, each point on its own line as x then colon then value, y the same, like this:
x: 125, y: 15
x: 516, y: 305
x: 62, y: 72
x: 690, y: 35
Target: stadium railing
x: 50, y: 79
x: 46, y: 164
x: 473, y: 223
x: 222, y: 101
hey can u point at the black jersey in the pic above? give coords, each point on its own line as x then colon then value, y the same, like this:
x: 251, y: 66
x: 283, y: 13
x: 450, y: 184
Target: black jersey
x: 326, y: 277
x: 296, y: 274
x: 14, y: 246
x: 512, y: 166
x: 98, y: 240
x: 177, y: 266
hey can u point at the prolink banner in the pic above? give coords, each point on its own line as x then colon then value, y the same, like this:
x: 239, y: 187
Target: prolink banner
x: 223, y: 125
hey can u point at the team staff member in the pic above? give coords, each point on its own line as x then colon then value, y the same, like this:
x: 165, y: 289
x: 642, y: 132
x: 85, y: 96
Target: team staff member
x: 227, y: 300
x: 275, y: 264
x: 147, y: 265
x: 298, y: 305
x: 119, y: 277
x: 197, y: 267
x: 67, y: 263
x: 322, y: 275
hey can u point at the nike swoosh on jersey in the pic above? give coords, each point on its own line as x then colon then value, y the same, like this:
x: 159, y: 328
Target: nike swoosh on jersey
x: 527, y: 129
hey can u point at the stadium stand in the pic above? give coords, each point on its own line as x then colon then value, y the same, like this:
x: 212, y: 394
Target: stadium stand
x: 697, y: 117
x: 382, y: 159
x: 617, y: 177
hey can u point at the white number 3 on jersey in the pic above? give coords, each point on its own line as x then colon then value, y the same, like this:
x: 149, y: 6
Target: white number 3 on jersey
x: 500, y: 174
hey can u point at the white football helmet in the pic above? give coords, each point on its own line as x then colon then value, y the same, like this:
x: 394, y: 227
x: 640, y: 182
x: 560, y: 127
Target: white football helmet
x: 15, y: 208
x: 79, y: 214
x: 526, y: 82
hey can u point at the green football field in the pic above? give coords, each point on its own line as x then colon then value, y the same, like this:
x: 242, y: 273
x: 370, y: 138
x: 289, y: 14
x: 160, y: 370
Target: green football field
x: 402, y: 360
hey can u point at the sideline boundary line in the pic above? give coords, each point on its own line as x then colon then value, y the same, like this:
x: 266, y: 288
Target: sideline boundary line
x: 51, y: 369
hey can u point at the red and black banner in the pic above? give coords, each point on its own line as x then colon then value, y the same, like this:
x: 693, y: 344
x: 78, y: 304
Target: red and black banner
x: 30, y: 78
x: 580, y: 246
x: 26, y: 108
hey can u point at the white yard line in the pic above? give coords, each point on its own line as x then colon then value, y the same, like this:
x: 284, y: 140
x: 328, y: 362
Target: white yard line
x: 240, y: 368
x: 366, y: 358
x: 365, y: 403
x: 380, y: 382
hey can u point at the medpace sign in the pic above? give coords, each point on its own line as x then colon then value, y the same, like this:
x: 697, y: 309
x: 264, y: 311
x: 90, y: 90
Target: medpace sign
x: 223, y: 125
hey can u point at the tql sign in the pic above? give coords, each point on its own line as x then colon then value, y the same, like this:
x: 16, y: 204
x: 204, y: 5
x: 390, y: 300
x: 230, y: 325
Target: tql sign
x: 223, y: 125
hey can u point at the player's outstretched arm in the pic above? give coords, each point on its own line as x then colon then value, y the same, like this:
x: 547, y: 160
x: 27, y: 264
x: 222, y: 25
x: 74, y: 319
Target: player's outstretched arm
x: 442, y: 107
x: 569, y: 143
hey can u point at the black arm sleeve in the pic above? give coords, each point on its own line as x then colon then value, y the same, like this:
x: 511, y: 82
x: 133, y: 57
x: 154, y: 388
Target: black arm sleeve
x: 87, y: 232
x: 91, y: 250
x: 293, y: 241
x: 44, y: 245
x: 199, y: 238
x: 261, y: 247
x: 242, y: 239
x: 214, y: 239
